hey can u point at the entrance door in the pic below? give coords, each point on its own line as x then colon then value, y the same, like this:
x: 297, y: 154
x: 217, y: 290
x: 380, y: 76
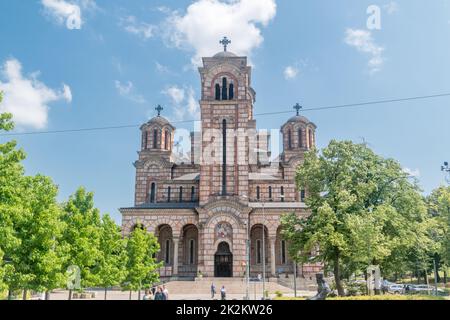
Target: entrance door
x: 223, y: 261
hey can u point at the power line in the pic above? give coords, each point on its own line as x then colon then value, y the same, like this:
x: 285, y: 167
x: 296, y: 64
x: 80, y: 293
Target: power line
x: 322, y: 108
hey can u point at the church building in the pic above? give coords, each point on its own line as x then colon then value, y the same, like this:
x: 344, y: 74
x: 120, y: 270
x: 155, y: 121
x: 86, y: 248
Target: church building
x: 220, y: 211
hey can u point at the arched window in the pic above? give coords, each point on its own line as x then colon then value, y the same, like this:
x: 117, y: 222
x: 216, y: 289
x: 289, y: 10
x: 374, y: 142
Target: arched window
x: 191, y: 251
x: 181, y: 194
x: 283, y: 252
x: 289, y: 139
x: 169, y: 191
x: 231, y: 92
x: 155, y: 139
x: 167, y: 253
x: 300, y: 138
x: 302, y: 195
x: 258, y: 252
x: 311, y: 139
x: 217, y: 91
x: 270, y: 193
x: 152, y: 193
x: 224, y: 89
x: 258, y: 193
x: 224, y: 153
x: 192, y: 194
x: 145, y: 140
x: 282, y: 194
x: 166, y: 140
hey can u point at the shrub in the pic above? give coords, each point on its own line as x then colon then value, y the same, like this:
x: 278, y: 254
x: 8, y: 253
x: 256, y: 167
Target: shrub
x: 279, y: 294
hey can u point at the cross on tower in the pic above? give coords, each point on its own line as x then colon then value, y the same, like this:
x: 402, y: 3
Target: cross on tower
x: 298, y: 107
x: 159, y: 109
x: 225, y: 42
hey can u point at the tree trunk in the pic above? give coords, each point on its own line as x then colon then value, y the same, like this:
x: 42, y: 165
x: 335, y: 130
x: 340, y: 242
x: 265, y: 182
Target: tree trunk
x: 445, y: 276
x: 337, y: 277
x: 10, y: 294
x: 106, y: 292
x: 24, y: 296
x: 70, y: 294
x: 130, y: 294
x: 139, y: 295
x: 47, y: 295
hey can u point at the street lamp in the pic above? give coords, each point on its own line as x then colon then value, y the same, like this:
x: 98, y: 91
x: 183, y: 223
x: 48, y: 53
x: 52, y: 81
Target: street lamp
x: 247, y: 248
x: 446, y: 169
x: 264, y: 250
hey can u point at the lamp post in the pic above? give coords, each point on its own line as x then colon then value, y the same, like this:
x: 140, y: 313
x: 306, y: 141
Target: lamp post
x: 247, y: 248
x: 264, y: 250
x: 446, y: 169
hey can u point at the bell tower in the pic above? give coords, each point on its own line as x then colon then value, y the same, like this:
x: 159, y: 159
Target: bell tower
x: 226, y: 117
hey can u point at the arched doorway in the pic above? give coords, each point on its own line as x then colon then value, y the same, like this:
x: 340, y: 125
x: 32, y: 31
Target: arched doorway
x: 223, y: 261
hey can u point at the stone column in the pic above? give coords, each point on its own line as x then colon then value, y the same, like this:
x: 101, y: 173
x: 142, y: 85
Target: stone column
x: 272, y: 257
x: 175, y: 256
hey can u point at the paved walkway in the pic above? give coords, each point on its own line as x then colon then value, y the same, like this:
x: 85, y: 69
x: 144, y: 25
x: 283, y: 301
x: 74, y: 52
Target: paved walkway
x: 119, y: 295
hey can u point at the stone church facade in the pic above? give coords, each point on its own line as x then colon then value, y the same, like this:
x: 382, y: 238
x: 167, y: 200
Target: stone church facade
x: 210, y: 213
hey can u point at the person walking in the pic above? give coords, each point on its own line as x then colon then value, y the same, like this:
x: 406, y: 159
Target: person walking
x: 148, y: 295
x: 165, y: 292
x: 213, y: 290
x: 160, y: 294
x: 223, y: 293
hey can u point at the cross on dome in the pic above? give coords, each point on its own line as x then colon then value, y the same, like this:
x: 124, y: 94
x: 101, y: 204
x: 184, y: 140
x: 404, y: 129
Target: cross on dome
x: 159, y: 109
x: 225, y: 42
x: 298, y: 107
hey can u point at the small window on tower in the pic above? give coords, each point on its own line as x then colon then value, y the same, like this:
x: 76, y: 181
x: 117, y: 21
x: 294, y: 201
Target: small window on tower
x: 145, y: 139
x: 224, y: 89
x: 300, y: 138
x: 289, y: 139
x: 169, y: 191
x: 217, y: 91
x: 153, y: 193
x: 231, y: 94
x: 155, y: 139
x: 192, y: 194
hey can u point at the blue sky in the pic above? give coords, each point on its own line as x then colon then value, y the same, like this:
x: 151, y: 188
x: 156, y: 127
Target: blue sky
x: 69, y: 64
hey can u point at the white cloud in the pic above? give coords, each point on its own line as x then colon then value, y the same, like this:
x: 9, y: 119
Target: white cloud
x: 27, y: 98
x: 207, y: 21
x: 391, y: 7
x: 413, y: 173
x: 185, y: 105
x: 127, y: 91
x: 175, y: 93
x: 291, y: 72
x: 162, y: 68
x: 68, y: 12
x: 141, y: 29
x: 363, y: 41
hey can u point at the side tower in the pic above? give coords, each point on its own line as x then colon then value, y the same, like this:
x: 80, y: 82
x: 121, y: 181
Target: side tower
x: 154, y: 164
x: 226, y: 109
x: 299, y: 136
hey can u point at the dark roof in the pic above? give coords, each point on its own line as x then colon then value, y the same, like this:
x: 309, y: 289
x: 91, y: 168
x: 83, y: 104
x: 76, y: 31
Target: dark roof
x: 225, y: 54
x: 167, y: 205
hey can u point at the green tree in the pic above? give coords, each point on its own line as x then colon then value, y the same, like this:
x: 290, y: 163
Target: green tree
x: 364, y: 208
x: 83, y: 235
x: 439, y: 210
x: 111, y: 269
x: 142, y: 248
x: 38, y: 261
x: 11, y: 190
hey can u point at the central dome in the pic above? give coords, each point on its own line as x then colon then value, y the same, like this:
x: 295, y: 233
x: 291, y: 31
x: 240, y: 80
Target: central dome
x: 225, y: 54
